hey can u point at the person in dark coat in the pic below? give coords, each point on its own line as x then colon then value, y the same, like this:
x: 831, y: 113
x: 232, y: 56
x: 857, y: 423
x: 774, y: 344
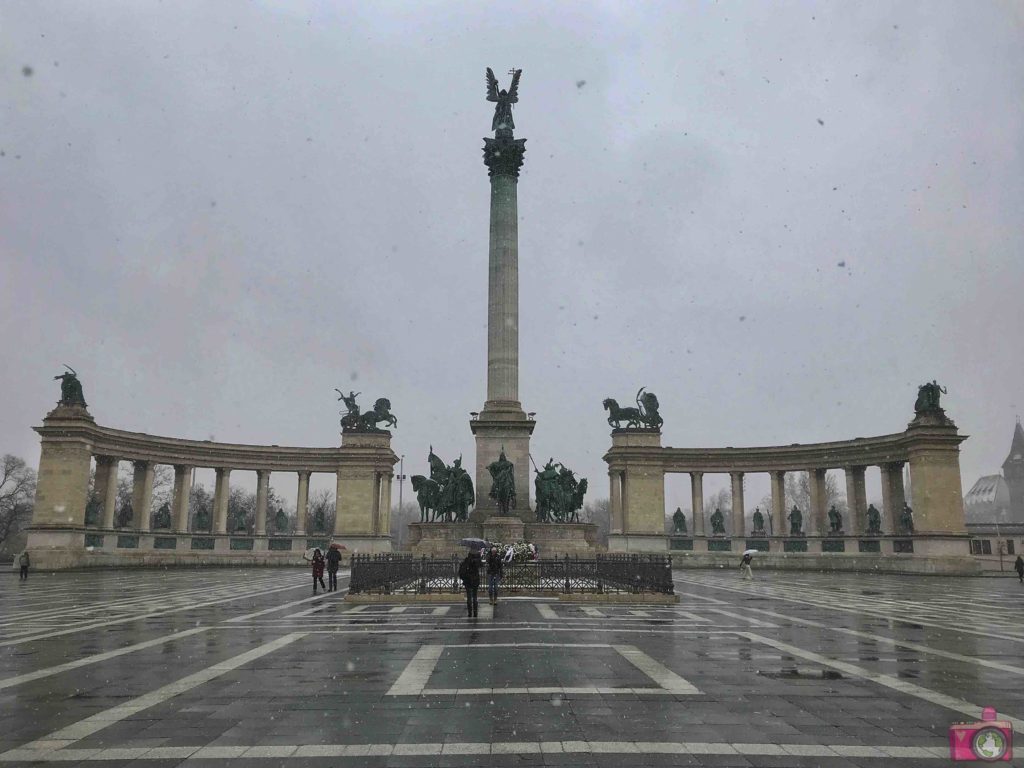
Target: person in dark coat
x: 495, y: 570
x: 469, y: 573
x: 333, y: 561
x: 23, y: 561
x: 318, y: 569
x: 1019, y: 567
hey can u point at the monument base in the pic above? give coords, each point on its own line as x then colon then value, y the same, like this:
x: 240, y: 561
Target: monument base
x: 501, y: 427
x: 551, y: 539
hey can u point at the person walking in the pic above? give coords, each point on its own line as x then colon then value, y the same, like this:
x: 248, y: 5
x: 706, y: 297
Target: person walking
x: 318, y: 569
x: 333, y: 561
x: 1018, y: 566
x: 469, y: 573
x: 495, y: 570
x: 745, y: 571
x: 23, y: 561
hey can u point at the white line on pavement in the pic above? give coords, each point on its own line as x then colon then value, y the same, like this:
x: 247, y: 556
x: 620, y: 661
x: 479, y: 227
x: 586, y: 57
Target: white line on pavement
x: 360, y: 752
x: 75, y: 732
x: 546, y: 611
x: 96, y: 658
x: 949, y: 702
x: 414, y: 677
x: 655, y: 670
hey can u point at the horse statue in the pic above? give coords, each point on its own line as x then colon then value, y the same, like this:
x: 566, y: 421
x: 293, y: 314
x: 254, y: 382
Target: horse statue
x: 381, y: 412
x: 617, y: 415
x: 428, y: 495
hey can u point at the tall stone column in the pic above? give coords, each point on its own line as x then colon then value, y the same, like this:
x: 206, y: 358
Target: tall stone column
x: 697, y: 502
x: 106, y: 487
x: 221, y: 492
x: 179, y: 502
x: 502, y: 424
x: 262, y: 491
x: 778, y: 482
x: 934, y: 456
x: 739, y: 527
x: 302, y: 504
x: 142, y: 494
x: 384, y: 516
x: 856, y: 500
x: 891, y: 504
x: 615, y: 501
x: 817, y: 517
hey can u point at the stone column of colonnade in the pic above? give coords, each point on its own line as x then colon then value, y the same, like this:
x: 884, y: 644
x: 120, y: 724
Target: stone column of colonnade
x: 615, y: 501
x: 302, y: 503
x: 262, y: 491
x: 778, y: 482
x: 221, y: 492
x: 856, y: 501
x: 697, y: 502
x: 816, y: 522
x: 738, y: 510
x: 105, y: 488
x: 180, y: 498
x: 893, y: 496
x: 142, y: 494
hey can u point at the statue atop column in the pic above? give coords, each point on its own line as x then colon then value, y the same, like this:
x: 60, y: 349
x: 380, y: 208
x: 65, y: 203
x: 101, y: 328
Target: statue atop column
x: 70, y: 388
x: 354, y: 421
x: 503, y: 101
x: 796, y: 521
x: 874, y: 521
x: 679, y: 522
x: 644, y: 416
x: 927, y: 409
x: 835, y: 520
x: 503, y: 483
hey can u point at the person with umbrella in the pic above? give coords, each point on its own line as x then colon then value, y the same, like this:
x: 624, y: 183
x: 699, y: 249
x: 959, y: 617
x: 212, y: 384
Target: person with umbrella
x: 748, y: 557
x: 318, y: 569
x: 333, y: 561
x: 469, y: 573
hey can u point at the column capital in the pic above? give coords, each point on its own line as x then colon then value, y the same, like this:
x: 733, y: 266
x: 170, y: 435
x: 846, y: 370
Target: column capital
x: 183, y: 468
x: 696, y: 473
x: 221, y: 471
x: 504, y: 156
x: 737, y: 475
x: 141, y: 463
x: 261, y: 473
x: 105, y: 459
x: 304, y: 473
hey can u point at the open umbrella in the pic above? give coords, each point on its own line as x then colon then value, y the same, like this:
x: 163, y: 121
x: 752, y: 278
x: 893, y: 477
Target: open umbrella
x: 476, y: 544
x: 751, y: 551
x: 336, y: 545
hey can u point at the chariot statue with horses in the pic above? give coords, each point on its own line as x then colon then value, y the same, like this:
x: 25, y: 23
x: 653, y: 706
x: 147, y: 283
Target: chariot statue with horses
x: 354, y: 421
x: 644, y: 416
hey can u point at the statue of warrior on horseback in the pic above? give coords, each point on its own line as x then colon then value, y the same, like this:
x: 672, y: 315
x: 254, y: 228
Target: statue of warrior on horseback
x: 447, y: 494
x: 644, y: 416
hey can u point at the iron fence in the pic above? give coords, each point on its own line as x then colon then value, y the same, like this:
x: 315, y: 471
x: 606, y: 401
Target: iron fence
x: 408, y: 574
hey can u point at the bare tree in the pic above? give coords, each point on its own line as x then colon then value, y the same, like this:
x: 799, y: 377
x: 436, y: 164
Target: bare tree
x: 17, y: 497
x: 409, y: 512
x: 798, y: 492
x: 598, y: 512
x: 321, y: 501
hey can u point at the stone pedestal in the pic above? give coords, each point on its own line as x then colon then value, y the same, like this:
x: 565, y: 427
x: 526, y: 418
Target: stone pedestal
x: 638, y: 482
x: 363, y: 496
x: 506, y: 530
x: 502, y: 426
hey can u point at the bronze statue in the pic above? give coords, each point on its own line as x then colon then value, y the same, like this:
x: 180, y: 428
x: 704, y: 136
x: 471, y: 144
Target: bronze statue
x: 447, y: 494
x: 907, y: 519
x: 758, y: 520
x: 717, y: 523
x: 201, y: 522
x: 644, y: 416
x: 319, y: 520
x: 503, y: 483
x: 796, y: 522
x: 835, y: 520
x: 350, y: 418
x: 679, y: 522
x: 928, y: 396
x: 70, y: 388
x: 281, y: 520
x: 162, y: 517
x: 381, y: 412
x: 93, y: 511
x: 503, y: 101
x: 124, y: 516
x: 559, y: 494
x: 874, y: 521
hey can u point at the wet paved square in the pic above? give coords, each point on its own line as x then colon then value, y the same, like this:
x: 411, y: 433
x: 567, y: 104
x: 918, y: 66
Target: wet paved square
x: 246, y: 667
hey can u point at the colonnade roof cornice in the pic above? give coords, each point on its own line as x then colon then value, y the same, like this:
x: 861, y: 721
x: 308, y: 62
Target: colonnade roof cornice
x: 138, y: 446
x: 859, y: 452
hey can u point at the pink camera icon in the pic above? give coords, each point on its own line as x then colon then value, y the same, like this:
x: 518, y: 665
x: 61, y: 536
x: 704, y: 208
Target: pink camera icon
x: 988, y: 740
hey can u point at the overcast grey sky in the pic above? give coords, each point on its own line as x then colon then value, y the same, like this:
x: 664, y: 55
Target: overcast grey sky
x: 779, y: 218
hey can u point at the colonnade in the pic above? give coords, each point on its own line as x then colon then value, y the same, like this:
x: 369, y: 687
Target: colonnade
x: 638, y: 463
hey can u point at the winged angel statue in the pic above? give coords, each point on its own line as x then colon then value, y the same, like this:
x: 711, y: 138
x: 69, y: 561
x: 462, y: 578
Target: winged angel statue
x: 505, y: 100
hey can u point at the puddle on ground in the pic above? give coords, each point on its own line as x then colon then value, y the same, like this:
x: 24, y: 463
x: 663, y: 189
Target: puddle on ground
x: 801, y: 673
